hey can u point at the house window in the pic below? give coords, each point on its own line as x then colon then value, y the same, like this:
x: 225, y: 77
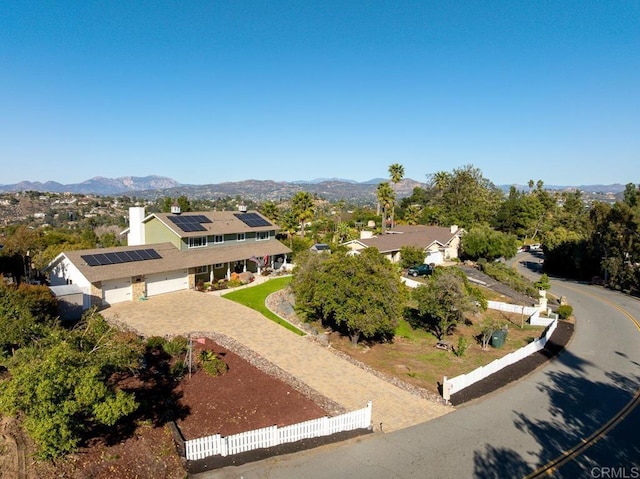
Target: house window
x: 218, y: 239
x: 202, y: 270
x: 262, y: 235
x: 218, y: 265
x: 198, y: 242
x: 241, y: 237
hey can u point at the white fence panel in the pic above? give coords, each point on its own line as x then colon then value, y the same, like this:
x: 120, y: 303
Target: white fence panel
x: 273, y: 435
x: 250, y: 440
x: 203, y: 447
x: 536, y: 320
x: 511, y: 308
x: 302, y: 430
x: 410, y: 282
x: 454, y: 385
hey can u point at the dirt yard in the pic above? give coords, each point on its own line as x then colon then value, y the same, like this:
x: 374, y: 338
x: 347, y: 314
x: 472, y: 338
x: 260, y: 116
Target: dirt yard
x: 242, y: 399
x: 413, y: 358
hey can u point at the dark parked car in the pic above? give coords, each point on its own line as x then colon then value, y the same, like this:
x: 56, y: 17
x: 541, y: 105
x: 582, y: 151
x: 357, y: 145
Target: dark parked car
x: 420, y: 270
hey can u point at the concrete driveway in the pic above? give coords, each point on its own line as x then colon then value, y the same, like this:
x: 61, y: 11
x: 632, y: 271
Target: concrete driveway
x: 188, y: 312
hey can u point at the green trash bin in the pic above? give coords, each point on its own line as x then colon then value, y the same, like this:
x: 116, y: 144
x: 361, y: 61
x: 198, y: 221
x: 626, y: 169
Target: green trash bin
x: 498, y: 338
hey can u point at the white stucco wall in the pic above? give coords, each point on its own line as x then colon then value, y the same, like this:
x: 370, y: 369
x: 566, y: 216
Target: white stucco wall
x: 64, y: 272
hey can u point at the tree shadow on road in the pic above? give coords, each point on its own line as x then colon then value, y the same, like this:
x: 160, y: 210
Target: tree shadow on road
x: 578, y: 407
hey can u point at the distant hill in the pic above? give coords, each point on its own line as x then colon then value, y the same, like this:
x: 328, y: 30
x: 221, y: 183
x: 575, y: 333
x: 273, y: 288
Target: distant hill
x: 264, y: 190
x: 97, y: 186
x: 322, y: 180
x: 614, y: 188
x: 332, y: 189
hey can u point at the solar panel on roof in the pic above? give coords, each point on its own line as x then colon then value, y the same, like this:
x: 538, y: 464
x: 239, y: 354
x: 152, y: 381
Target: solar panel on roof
x: 102, y: 259
x: 90, y: 260
x: 113, y: 258
x: 253, y: 220
x: 154, y: 254
x: 189, y: 223
x: 135, y: 256
x: 144, y: 254
x: 123, y: 257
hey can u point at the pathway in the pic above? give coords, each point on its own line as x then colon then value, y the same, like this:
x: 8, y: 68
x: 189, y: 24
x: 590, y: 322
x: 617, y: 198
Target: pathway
x: 187, y: 312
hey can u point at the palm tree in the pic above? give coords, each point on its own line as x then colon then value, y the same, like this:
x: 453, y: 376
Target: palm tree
x: 270, y: 210
x: 302, y: 207
x: 289, y: 225
x: 396, y: 172
x: 386, y: 197
x: 413, y: 214
x: 343, y: 232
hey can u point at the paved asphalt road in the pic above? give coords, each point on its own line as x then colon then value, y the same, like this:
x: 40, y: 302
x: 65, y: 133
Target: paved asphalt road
x: 514, y: 431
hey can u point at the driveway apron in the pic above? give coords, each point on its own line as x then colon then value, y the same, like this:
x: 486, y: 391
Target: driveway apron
x: 187, y: 312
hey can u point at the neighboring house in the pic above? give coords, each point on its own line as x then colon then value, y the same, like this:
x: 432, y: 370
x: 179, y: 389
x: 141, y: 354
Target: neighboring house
x: 439, y: 244
x: 321, y: 248
x: 170, y: 252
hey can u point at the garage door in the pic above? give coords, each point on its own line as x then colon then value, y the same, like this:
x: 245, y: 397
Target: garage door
x: 167, y: 282
x: 434, y: 257
x: 116, y: 290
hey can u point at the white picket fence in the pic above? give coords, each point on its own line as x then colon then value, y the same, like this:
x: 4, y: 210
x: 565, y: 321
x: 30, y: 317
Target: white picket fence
x: 457, y: 384
x: 274, y: 435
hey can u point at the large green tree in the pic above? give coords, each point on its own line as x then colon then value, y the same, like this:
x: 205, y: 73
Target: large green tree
x: 464, y: 197
x: 26, y: 313
x: 62, y: 384
x: 482, y: 241
x: 361, y: 295
x: 441, y: 304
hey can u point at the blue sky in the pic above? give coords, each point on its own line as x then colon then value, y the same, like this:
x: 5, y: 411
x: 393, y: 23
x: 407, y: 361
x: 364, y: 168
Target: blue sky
x: 214, y: 91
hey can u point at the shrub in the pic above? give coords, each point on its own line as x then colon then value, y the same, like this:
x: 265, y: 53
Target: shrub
x: 462, y: 346
x: 543, y: 282
x: 410, y: 256
x: 510, y: 277
x: 234, y: 283
x: 200, y: 286
x: 212, y: 364
x: 156, y: 342
x: 565, y: 311
x: 176, y: 346
x: 177, y: 369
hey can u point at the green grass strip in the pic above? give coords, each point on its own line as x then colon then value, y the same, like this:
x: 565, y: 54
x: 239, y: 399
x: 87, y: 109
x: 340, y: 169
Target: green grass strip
x: 255, y: 296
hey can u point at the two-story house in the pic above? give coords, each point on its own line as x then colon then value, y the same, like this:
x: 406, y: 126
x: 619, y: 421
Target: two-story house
x: 169, y: 252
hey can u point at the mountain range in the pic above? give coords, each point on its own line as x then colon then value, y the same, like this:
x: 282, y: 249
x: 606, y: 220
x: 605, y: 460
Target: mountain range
x: 333, y: 189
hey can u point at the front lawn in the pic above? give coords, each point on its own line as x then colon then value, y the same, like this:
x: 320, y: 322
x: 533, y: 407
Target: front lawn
x: 255, y: 296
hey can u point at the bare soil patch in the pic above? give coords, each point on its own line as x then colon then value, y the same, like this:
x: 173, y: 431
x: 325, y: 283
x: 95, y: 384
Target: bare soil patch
x: 242, y: 399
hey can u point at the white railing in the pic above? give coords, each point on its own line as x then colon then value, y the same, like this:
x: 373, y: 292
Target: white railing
x: 511, y: 308
x: 457, y: 384
x: 537, y: 320
x: 274, y: 435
